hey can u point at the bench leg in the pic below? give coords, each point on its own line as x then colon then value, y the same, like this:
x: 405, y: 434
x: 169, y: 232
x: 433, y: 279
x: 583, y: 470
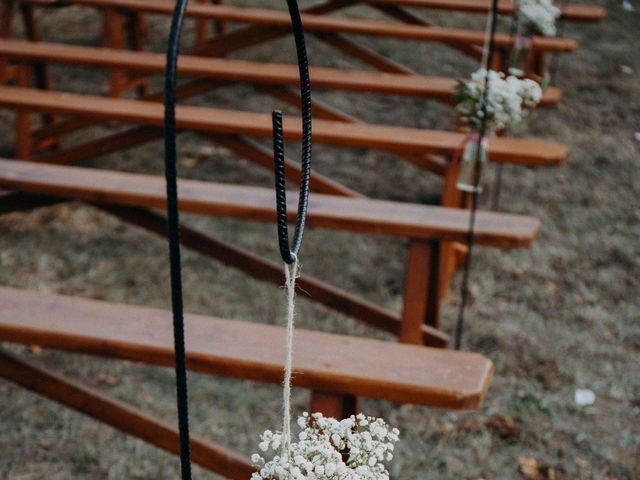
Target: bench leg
x: 334, y: 405
x: 6, y: 16
x: 451, y: 197
x: 202, y: 26
x: 23, y: 125
x: 421, y: 302
x: 43, y: 81
x: 121, y: 416
x: 114, y: 37
x: 138, y: 32
x: 122, y: 31
x: 40, y: 74
x: 538, y: 63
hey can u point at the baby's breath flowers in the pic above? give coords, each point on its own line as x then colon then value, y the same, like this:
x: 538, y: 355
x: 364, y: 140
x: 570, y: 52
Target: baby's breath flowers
x: 507, y: 102
x: 538, y: 17
x: 355, y: 448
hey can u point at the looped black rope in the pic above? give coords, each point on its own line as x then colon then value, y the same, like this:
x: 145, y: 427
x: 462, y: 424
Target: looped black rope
x: 289, y: 254
x: 476, y: 180
x: 170, y: 168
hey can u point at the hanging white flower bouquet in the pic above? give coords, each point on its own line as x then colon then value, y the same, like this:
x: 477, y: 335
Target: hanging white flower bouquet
x: 508, y: 100
x: 355, y: 448
x: 538, y: 17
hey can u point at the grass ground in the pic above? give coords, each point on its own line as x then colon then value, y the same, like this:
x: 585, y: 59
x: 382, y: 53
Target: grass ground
x: 556, y: 317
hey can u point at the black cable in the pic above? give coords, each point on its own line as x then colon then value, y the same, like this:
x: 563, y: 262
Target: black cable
x: 287, y: 253
x: 170, y: 168
x: 476, y: 182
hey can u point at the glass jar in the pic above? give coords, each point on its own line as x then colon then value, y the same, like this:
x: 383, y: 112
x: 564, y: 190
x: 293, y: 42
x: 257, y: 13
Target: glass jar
x: 470, y: 155
x: 519, y: 58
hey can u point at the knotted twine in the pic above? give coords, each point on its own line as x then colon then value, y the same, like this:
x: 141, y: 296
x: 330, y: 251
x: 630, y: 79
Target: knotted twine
x: 291, y: 273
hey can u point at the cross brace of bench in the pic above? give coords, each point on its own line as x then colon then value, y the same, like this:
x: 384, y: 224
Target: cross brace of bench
x: 121, y: 416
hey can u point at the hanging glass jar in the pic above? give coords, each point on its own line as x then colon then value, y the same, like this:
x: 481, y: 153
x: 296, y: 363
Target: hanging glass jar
x: 520, y: 56
x: 470, y: 177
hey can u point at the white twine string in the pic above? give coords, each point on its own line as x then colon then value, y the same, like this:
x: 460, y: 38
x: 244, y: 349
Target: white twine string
x: 485, y: 46
x: 291, y: 272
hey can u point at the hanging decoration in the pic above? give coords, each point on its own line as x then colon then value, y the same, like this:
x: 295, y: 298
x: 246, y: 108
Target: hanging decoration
x: 487, y: 60
x: 326, y: 448
x: 532, y: 17
x: 355, y: 448
x: 538, y: 17
x: 505, y: 104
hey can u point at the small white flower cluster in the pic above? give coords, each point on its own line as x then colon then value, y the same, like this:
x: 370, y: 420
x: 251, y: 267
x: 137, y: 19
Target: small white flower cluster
x: 538, y: 17
x: 507, y: 101
x: 328, y: 449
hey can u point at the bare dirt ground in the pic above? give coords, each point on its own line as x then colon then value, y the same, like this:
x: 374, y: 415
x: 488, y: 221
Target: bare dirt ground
x: 556, y: 317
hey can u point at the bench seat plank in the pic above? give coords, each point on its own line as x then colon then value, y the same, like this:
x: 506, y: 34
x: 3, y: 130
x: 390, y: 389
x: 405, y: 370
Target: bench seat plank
x: 334, y: 363
x: 568, y: 11
x: 256, y: 203
x: 212, y: 120
x: 323, y: 23
x: 243, y: 71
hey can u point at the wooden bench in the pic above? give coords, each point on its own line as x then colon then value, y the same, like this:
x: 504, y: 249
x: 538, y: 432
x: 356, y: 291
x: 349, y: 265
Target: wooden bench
x: 121, y: 15
x: 568, y: 11
x: 322, y: 23
x: 336, y: 368
x: 127, y: 195
x: 228, y: 122
x: 439, y: 88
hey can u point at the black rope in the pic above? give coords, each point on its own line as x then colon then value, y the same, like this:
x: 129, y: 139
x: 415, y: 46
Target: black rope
x: 476, y: 182
x: 289, y: 254
x: 170, y: 168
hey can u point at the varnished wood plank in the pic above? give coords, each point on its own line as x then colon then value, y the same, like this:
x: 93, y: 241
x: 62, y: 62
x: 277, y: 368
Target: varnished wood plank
x: 519, y: 151
x: 441, y: 88
x: 323, y: 23
x: 327, y: 362
x: 569, y: 11
x: 258, y: 204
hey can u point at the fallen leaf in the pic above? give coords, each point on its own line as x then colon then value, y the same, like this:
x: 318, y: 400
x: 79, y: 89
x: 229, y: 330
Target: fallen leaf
x: 504, y: 426
x: 532, y: 469
x: 206, y: 152
x: 529, y: 467
x: 107, y: 379
x: 551, y: 287
x: 188, y: 162
x: 581, y: 462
